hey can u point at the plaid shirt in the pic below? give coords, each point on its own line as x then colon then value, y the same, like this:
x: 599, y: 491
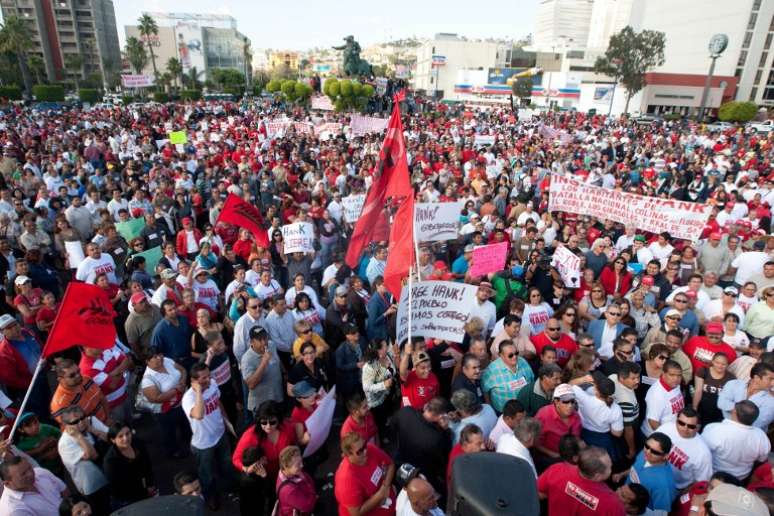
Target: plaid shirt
x: 502, y: 384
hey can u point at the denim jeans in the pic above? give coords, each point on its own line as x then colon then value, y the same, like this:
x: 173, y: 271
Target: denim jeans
x: 216, y: 473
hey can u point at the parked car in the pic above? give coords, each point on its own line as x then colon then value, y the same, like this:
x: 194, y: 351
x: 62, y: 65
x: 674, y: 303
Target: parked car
x: 720, y: 126
x: 760, y: 127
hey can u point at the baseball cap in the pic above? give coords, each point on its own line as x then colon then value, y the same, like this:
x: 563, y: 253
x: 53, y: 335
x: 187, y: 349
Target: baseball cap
x: 168, y: 274
x: 440, y: 264
x: 564, y: 392
x: 485, y: 285
x: 303, y: 389
x: 138, y: 297
x: 648, y: 280
x: 6, y: 320
x: 715, y: 236
x: 420, y: 356
x: 673, y: 313
x: 730, y: 500
x: 639, y: 238
x: 715, y: 327
x: 187, y: 220
x: 21, y: 280
x: 256, y: 332
x: 731, y: 290
x: 690, y: 294
x: 342, y: 290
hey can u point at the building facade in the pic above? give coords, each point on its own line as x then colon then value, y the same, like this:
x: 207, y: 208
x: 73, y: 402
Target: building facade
x: 62, y: 29
x: 562, y: 23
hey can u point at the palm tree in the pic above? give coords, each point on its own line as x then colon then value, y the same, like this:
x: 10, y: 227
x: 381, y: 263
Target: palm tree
x: 15, y: 39
x: 136, y: 54
x: 149, y: 28
x: 37, y: 67
x: 175, y: 69
x: 194, y: 77
x: 74, y: 65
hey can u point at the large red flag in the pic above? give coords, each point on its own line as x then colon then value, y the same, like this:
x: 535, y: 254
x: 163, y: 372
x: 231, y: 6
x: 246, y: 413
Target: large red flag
x: 85, y: 318
x: 391, y: 182
x: 239, y: 212
x: 401, y: 251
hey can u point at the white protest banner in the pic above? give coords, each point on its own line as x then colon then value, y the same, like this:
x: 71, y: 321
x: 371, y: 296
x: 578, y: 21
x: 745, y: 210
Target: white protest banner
x: 353, y: 205
x: 136, y: 80
x: 680, y: 218
x: 327, y: 127
x: 568, y: 265
x: 276, y: 128
x: 481, y: 140
x: 362, y: 125
x: 322, y: 102
x: 439, y: 310
x: 74, y: 253
x: 299, y: 237
x: 319, y: 423
x: 381, y: 85
x: 436, y: 221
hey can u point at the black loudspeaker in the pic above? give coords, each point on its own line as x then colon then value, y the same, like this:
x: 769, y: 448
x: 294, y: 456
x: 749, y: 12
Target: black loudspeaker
x: 164, y: 506
x: 492, y: 484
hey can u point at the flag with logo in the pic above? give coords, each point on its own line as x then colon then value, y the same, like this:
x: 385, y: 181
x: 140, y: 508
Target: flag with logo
x: 242, y: 214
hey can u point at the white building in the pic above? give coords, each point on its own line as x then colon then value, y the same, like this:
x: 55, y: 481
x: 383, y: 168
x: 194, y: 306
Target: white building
x: 451, y: 53
x: 562, y: 23
x: 607, y: 18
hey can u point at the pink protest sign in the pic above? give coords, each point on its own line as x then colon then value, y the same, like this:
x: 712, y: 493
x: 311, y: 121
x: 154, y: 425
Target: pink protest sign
x: 488, y: 258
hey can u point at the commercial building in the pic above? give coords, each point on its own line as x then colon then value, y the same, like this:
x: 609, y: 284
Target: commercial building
x: 60, y: 29
x: 559, y: 23
x: 202, y: 41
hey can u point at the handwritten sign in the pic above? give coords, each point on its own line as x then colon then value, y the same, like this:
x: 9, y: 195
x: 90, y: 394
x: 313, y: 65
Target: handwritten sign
x: 299, y: 237
x: 322, y: 102
x: 680, y: 218
x: 488, y: 258
x: 481, y: 140
x: 436, y: 221
x: 568, y: 265
x: 439, y: 309
x: 353, y: 205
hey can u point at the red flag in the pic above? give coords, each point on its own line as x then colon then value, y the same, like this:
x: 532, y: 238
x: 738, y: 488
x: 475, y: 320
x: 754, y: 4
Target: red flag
x: 85, y: 318
x: 391, y: 182
x: 401, y: 254
x: 242, y: 214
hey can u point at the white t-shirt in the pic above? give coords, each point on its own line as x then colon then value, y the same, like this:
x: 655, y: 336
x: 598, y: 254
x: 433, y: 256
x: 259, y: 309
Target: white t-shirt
x: 595, y: 415
x: 715, y: 309
x: 267, y: 291
x: 691, y: 459
x: 403, y: 507
x: 499, y: 429
x: 90, y: 267
x: 701, y: 297
x: 206, y: 293
x: 208, y: 430
x: 510, y: 445
x: 87, y: 475
x: 663, y: 406
x: 747, y: 264
x: 162, y: 381
x: 191, y: 245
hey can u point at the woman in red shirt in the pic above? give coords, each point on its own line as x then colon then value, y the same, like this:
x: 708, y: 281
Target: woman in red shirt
x: 615, y: 279
x: 28, y: 300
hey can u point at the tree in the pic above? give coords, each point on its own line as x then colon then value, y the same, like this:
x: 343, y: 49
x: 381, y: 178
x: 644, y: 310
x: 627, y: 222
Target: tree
x: 522, y: 88
x: 629, y: 56
x: 194, y: 78
x: 175, y: 69
x: 225, y: 77
x: 736, y: 111
x: 15, y: 38
x: 149, y: 28
x: 37, y: 68
x: 136, y: 54
x: 74, y: 64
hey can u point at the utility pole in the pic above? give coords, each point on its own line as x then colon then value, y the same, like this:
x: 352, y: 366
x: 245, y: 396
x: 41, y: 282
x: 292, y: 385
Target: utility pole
x: 717, y: 45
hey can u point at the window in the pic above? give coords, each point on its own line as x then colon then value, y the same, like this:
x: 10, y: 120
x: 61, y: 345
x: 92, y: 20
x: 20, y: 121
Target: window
x: 768, y: 94
x: 764, y: 58
x: 742, y: 58
x: 767, y: 45
x: 756, y: 5
x: 753, y: 94
x: 738, y: 73
x: 433, y: 51
x: 747, y: 39
x: 771, y: 25
x: 753, y: 19
x: 758, y: 76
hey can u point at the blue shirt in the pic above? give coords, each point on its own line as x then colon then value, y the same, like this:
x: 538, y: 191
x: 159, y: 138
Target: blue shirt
x: 173, y: 341
x: 29, y: 349
x: 460, y: 265
x: 688, y: 322
x: 736, y: 390
x: 658, y: 480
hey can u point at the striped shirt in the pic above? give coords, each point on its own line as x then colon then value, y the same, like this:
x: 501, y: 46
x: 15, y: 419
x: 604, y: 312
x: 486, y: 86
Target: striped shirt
x: 87, y: 395
x: 100, y: 369
x: 627, y: 400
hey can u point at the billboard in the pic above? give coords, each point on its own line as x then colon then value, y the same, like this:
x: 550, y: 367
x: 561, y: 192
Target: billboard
x: 501, y: 75
x: 603, y: 93
x: 190, y: 47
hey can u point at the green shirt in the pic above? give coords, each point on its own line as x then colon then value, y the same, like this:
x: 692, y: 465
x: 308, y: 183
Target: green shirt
x: 502, y: 293
x: 29, y: 442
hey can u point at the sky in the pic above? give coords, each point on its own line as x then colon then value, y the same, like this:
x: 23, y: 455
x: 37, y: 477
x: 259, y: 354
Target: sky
x: 303, y: 24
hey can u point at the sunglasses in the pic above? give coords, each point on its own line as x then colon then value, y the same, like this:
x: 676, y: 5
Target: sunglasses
x: 269, y: 422
x: 615, y: 314
x: 730, y: 294
x: 625, y: 353
x: 597, y: 291
x: 570, y: 314
x: 361, y: 450
x: 674, y: 318
x: 681, y: 300
x: 306, y: 332
x: 589, y: 345
x: 253, y: 307
x: 686, y: 425
x: 653, y: 450
x: 76, y: 421
x: 511, y: 355
x: 552, y: 329
x: 568, y: 402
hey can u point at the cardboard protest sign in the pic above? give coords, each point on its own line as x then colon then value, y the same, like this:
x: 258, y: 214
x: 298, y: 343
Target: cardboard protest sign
x: 361, y: 125
x: 353, y: 205
x: 322, y: 103
x: 319, y: 423
x: 680, y: 218
x: 488, y: 258
x: 152, y: 258
x: 481, y: 140
x: 439, y: 309
x: 178, y: 138
x: 75, y: 254
x: 568, y: 265
x: 299, y: 237
x: 131, y: 228
x: 436, y: 221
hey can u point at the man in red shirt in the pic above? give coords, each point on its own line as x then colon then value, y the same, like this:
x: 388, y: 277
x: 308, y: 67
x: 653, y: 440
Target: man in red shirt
x: 419, y: 385
x: 363, y: 480
x: 471, y: 441
x: 558, y: 419
x: 701, y: 349
x: 108, y: 369
x: 581, y: 489
x: 552, y: 335
x: 360, y: 420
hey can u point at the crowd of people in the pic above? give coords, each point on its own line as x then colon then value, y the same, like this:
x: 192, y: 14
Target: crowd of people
x: 647, y: 389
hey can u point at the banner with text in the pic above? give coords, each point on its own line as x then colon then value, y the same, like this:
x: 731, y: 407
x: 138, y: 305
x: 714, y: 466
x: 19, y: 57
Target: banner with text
x: 488, y: 258
x: 681, y: 219
x: 322, y: 103
x: 568, y: 265
x: 353, y: 205
x: 361, y: 125
x: 136, y: 81
x: 439, y: 309
x: 436, y: 221
x: 299, y: 237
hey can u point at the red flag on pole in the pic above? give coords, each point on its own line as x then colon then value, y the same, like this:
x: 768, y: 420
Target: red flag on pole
x: 391, y: 182
x: 239, y: 212
x: 85, y: 318
x: 401, y: 253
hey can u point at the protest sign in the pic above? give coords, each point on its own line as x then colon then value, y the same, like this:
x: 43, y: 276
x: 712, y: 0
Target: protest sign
x: 488, y: 258
x: 319, y: 423
x: 353, y: 205
x: 152, y: 258
x: 75, y: 254
x: 439, y: 309
x: 161, y: 143
x: 328, y: 128
x: 131, y: 228
x: 299, y: 237
x: 136, y: 80
x: 436, y: 221
x: 568, y: 265
x: 481, y: 140
x: 322, y: 103
x: 680, y: 218
x: 178, y: 137
x: 361, y: 125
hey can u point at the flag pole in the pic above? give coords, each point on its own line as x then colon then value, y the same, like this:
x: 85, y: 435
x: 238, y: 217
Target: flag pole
x: 409, y: 303
x: 38, y: 368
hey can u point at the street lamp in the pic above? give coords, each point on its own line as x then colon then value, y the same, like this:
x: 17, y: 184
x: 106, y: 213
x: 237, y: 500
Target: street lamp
x: 717, y: 45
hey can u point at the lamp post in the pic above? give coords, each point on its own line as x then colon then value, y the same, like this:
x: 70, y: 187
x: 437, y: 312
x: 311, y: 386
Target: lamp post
x: 717, y: 45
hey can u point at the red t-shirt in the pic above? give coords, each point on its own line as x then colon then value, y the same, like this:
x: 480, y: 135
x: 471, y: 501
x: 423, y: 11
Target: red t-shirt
x: 553, y: 427
x: 287, y: 437
x: 700, y: 351
x: 564, y: 348
x: 569, y: 493
x: 456, y: 451
x: 33, y: 301
x: 367, y: 430
x: 416, y: 391
x: 356, y: 484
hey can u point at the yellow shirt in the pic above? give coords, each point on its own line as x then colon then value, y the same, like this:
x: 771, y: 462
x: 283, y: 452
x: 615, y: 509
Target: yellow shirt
x: 318, y: 342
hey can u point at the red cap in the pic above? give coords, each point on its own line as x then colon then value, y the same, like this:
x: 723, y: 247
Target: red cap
x: 187, y: 220
x: 715, y: 236
x: 440, y: 264
x: 648, y: 280
x: 715, y: 327
x: 138, y: 297
x: 690, y: 293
